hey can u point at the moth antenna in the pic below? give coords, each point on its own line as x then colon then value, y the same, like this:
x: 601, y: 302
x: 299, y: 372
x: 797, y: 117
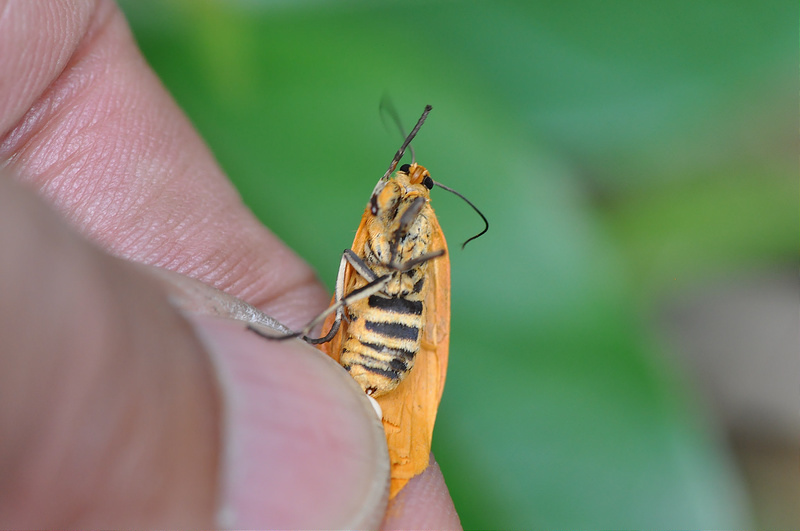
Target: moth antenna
x: 407, y: 141
x: 387, y: 108
x: 485, y: 221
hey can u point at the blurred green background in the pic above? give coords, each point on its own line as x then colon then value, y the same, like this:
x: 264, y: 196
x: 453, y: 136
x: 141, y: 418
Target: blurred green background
x: 638, y: 164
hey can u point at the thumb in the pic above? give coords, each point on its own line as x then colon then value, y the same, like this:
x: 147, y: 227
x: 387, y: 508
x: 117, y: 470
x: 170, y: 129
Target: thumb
x: 117, y: 412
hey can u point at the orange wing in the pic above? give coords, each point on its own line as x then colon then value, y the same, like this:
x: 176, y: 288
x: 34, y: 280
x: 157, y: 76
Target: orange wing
x: 409, y: 412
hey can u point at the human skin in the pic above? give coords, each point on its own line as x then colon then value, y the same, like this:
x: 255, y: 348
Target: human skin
x: 116, y: 408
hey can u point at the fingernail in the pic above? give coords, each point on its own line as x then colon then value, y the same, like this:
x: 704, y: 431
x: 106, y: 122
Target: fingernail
x: 303, y: 446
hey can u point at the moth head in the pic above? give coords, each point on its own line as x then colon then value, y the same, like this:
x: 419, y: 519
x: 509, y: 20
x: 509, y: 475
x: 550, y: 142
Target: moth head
x: 417, y: 174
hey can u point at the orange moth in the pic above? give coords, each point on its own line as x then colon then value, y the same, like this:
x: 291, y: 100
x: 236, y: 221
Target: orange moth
x: 409, y: 409
x: 389, y: 320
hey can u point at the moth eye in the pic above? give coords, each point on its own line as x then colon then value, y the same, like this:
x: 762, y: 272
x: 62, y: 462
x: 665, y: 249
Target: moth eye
x: 428, y: 182
x: 405, y: 167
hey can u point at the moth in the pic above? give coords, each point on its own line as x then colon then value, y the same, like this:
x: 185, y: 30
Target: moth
x: 389, y: 320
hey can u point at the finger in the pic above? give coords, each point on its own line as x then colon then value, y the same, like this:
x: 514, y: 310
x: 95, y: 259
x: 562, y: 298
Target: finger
x: 90, y: 126
x: 424, y: 503
x: 305, y: 450
x: 113, y: 416
x: 108, y: 415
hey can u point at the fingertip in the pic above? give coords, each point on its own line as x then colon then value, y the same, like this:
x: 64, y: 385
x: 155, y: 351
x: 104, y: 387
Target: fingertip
x: 424, y: 503
x: 304, y: 448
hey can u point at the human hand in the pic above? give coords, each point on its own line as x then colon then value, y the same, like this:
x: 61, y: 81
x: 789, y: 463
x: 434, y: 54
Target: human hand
x: 116, y: 409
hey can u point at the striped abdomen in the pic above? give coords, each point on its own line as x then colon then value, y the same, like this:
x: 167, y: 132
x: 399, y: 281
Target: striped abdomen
x: 383, y: 336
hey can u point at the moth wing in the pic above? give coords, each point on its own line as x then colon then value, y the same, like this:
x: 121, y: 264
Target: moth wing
x: 409, y: 412
x: 437, y: 329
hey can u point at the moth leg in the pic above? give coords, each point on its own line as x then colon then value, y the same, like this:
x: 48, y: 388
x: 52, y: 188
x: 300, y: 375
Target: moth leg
x: 406, y: 219
x: 416, y: 261
x: 348, y: 257
x: 321, y: 317
x: 338, y: 293
x: 375, y: 285
x: 359, y: 266
x: 336, y: 307
x: 357, y: 294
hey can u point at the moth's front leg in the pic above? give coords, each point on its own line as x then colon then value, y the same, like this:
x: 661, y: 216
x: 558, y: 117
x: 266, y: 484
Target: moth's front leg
x: 374, y: 285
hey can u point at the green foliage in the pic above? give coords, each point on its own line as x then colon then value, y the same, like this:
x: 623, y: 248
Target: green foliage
x: 619, y: 149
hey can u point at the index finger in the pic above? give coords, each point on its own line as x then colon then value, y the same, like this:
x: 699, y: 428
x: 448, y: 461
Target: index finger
x: 86, y: 122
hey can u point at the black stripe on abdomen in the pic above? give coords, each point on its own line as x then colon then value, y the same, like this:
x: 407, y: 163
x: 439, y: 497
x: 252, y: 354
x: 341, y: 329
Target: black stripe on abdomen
x: 399, y: 352
x: 390, y: 374
x: 393, y: 330
x: 395, y: 305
